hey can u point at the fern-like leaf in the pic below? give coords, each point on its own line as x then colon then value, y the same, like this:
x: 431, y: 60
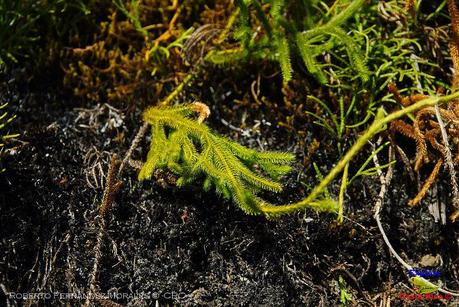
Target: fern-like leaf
x: 283, y: 56
x: 308, y: 57
x: 189, y: 149
x: 291, y: 29
x: 355, y: 56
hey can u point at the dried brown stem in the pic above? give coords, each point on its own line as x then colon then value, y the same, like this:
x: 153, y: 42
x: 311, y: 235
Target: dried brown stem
x: 410, y: 6
x: 426, y: 186
x: 111, y: 187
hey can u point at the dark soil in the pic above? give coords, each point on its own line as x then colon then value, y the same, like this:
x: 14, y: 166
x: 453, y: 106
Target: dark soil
x: 165, y: 245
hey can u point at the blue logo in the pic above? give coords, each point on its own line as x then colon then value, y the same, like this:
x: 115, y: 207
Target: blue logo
x: 424, y: 273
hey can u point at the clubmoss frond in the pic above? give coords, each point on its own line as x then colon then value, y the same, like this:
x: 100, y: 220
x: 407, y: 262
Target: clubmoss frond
x: 308, y: 57
x: 283, y: 56
x: 353, y: 52
x: 276, y: 8
x: 189, y: 149
x: 243, y: 31
x: 286, y: 32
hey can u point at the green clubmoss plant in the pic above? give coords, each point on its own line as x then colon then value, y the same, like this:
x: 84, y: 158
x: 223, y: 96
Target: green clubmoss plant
x: 191, y: 150
x: 301, y: 27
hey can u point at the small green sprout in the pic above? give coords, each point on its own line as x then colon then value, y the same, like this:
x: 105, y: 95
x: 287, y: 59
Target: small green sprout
x: 345, y: 297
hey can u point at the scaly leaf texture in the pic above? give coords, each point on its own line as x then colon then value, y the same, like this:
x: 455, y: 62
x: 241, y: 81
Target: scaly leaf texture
x: 283, y: 56
x: 286, y: 32
x: 355, y: 57
x: 192, y: 151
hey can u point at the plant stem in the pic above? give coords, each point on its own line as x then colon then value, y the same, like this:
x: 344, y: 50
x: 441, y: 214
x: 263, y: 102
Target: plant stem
x: 375, y: 128
x: 342, y: 190
x: 176, y: 91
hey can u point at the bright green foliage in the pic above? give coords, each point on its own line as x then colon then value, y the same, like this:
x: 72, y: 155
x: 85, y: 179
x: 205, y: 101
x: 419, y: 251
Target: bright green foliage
x: 190, y: 150
x: 394, y: 52
x: 379, y: 124
x: 306, y: 28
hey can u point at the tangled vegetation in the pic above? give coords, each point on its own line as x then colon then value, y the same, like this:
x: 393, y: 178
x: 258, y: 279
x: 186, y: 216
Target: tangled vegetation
x: 289, y: 27
x: 327, y: 75
x: 36, y: 33
x: 356, y: 51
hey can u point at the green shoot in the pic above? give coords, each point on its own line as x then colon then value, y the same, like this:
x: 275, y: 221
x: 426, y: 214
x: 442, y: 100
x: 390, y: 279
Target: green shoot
x: 345, y: 297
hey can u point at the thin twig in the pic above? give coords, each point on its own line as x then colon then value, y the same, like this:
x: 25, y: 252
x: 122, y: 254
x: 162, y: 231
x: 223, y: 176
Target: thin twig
x: 176, y: 91
x: 111, y: 187
x: 138, y: 137
x: 342, y: 190
x: 450, y: 164
x: 379, y: 123
x: 385, y: 182
x: 407, y: 163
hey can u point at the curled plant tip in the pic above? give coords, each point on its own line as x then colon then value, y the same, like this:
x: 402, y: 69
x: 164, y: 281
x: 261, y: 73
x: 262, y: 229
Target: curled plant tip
x: 202, y: 109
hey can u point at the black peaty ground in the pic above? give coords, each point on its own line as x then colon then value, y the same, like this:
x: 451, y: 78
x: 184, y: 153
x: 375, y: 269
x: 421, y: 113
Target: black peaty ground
x: 183, y: 246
